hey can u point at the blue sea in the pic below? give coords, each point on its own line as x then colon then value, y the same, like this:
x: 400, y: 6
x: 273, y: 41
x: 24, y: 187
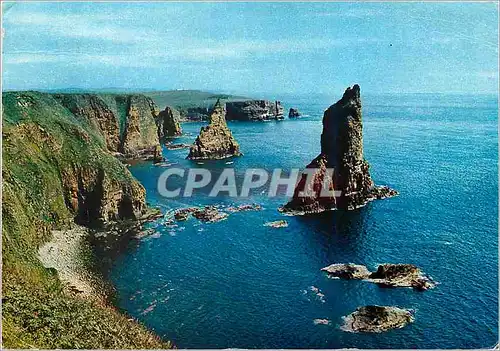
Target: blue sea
x: 239, y: 284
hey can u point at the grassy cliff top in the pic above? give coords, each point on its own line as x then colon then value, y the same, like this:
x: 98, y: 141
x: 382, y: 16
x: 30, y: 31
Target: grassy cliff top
x: 180, y: 99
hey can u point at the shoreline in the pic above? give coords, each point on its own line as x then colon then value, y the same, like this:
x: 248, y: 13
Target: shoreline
x: 66, y: 253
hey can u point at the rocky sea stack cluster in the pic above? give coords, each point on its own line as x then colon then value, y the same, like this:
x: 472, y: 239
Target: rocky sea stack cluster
x: 342, y: 151
x: 254, y: 110
x: 215, y: 141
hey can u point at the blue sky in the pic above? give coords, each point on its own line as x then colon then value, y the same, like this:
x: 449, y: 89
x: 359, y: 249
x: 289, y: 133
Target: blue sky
x: 252, y: 47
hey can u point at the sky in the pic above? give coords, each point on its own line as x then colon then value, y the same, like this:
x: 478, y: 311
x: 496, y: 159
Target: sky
x: 252, y: 47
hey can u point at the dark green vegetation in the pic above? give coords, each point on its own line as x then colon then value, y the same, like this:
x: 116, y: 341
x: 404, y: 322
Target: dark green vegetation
x: 183, y: 99
x: 57, y: 169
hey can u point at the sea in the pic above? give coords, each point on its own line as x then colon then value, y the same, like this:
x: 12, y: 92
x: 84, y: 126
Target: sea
x: 240, y: 284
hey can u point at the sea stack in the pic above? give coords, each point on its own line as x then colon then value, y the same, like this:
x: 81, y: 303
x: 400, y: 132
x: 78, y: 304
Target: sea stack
x: 342, y: 151
x: 293, y: 113
x: 215, y: 141
x: 168, y: 124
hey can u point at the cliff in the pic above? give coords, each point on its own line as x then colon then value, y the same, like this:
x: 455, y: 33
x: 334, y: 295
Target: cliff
x: 58, y: 169
x: 253, y: 110
x: 215, y: 141
x: 127, y: 123
x: 342, y: 151
x: 168, y: 124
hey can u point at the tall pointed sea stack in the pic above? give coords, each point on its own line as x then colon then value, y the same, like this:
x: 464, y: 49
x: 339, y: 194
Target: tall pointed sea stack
x: 168, y: 124
x: 215, y: 140
x: 342, y: 151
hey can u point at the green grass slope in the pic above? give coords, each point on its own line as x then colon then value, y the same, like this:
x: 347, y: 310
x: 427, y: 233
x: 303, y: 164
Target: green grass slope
x: 182, y: 99
x: 41, y: 139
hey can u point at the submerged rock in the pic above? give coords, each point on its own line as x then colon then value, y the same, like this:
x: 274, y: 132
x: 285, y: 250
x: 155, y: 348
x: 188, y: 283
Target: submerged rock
x: 322, y: 321
x: 293, y: 113
x: 215, y: 140
x: 171, y: 146
x: 210, y: 214
x: 387, y: 275
x: 205, y: 214
x: 254, y: 110
x: 347, y: 271
x: 277, y: 224
x: 377, y: 319
x: 342, y: 151
x: 245, y: 207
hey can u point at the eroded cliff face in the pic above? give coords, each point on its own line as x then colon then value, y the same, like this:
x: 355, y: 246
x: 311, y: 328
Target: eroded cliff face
x: 140, y: 135
x: 57, y: 170
x: 215, y: 141
x: 168, y: 124
x: 97, y: 197
x: 254, y: 110
x: 94, y: 111
x: 342, y: 151
x: 126, y: 123
x: 53, y: 151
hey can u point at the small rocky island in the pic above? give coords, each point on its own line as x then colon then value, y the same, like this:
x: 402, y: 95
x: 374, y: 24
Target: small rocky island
x: 254, y: 110
x: 342, y: 150
x: 215, y: 141
x: 377, y: 319
x: 387, y: 275
x: 168, y: 123
x: 293, y: 113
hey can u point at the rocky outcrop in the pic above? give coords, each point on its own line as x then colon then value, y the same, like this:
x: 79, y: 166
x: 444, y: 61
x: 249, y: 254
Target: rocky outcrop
x: 347, y: 271
x: 167, y: 123
x: 126, y: 123
x: 386, y: 275
x: 96, y: 197
x: 254, y: 110
x: 401, y: 275
x: 208, y: 214
x: 377, y: 319
x: 94, y: 111
x: 350, y: 186
x: 215, y: 141
x: 293, y: 113
x: 140, y: 135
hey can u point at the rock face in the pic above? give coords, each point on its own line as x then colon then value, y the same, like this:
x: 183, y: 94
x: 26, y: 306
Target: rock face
x: 293, y: 113
x: 92, y: 109
x: 215, y: 141
x: 140, y: 134
x: 126, y: 123
x: 377, y: 319
x: 254, y: 110
x: 387, y: 275
x: 342, y: 151
x: 168, y: 124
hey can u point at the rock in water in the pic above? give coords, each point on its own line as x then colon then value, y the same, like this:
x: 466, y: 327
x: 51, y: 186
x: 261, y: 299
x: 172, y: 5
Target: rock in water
x: 376, y: 319
x: 342, y: 151
x: 347, y: 271
x: 254, y: 110
x: 401, y: 275
x: 293, y: 113
x: 215, y: 140
x: 167, y: 123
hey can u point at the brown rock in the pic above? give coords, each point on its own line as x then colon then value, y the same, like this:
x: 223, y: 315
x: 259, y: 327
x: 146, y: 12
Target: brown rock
x: 342, y: 151
x: 168, y: 124
x: 215, y: 141
x: 377, y: 319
